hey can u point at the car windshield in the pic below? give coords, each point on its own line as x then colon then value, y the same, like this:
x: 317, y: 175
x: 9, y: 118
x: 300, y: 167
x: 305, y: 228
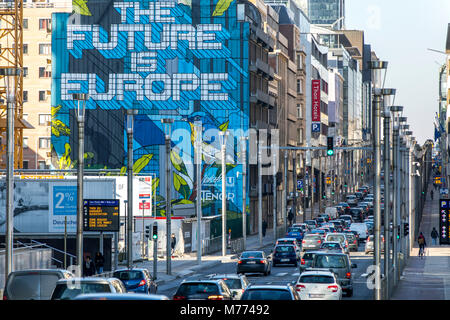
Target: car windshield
x: 128, y: 275
x: 233, y: 283
x: 284, y: 249
x: 187, y: 289
x: 286, y: 241
x: 294, y: 230
x: 331, y: 245
x: 66, y: 291
x: 316, y: 279
x: 308, y: 256
x: 267, y: 294
x: 339, y: 238
x: 330, y: 261
x: 252, y: 254
x: 312, y: 237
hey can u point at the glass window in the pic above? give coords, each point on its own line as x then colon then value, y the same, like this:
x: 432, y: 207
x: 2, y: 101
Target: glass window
x: 44, y: 119
x: 62, y: 291
x: 233, y: 283
x: 44, y: 24
x: 128, y: 275
x: 252, y: 254
x: 41, y: 95
x: 284, y: 249
x: 330, y: 261
x: 25, y: 96
x: 316, y: 279
x: 25, y: 164
x: 197, y: 288
x: 267, y: 294
x: 25, y: 142
x: 45, y: 48
x: 25, y: 71
x: 44, y: 143
x: 25, y: 48
x: 25, y: 23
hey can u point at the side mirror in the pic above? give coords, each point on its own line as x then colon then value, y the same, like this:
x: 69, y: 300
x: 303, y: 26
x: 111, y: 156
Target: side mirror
x: 354, y: 266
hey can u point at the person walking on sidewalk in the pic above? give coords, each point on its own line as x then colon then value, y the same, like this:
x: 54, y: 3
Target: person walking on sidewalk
x: 290, y: 216
x: 422, y: 243
x: 431, y: 194
x: 264, y: 228
x: 173, y: 242
x: 99, y: 262
x: 434, y: 236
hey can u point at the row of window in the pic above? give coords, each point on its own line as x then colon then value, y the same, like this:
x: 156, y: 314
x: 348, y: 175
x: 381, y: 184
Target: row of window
x: 41, y: 165
x: 44, y: 118
x: 44, y: 24
x: 44, y: 143
x: 42, y: 96
x: 44, y: 48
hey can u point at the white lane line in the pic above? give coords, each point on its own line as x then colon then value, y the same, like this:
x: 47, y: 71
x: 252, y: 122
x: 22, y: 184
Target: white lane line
x: 296, y: 274
x: 282, y: 274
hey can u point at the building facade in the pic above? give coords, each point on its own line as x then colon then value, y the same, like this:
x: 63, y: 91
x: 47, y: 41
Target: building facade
x: 327, y: 12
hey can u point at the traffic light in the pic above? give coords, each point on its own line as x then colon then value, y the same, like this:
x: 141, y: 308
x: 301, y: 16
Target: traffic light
x: 155, y: 231
x: 398, y: 232
x: 330, y: 146
x: 406, y: 229
x: 147, y: 231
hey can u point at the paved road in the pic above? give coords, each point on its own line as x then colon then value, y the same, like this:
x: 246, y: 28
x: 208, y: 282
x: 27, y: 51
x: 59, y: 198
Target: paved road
x: 286, y: 274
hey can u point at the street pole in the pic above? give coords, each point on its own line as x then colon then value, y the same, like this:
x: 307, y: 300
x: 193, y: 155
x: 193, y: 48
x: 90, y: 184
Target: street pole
x: 223, y: 136
x: 244, y: 191
x: 167, y: 122
x: 294, y: 184
x: 312, y: 186
x: 395, y: 204
x: 198, y: 204
x: 143, y: 230
x: 274, y: 157
x: 387, y: 199
x: 130, y: 124
x: 320, y: 183
x: 285, y: 188
x: 259, y: 194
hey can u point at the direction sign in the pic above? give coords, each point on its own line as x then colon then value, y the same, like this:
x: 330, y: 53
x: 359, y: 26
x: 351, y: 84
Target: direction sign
x: 101, y: 215
x: 444, y: 221
x: 299, y: 184
x: 315, y: 127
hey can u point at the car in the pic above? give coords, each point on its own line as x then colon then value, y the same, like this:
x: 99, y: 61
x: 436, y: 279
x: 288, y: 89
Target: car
x: 137, y: 280
x: 344, y: 223
x: 311, y: 242
x: 254, y: 262
x: 340, y: 264
x: 352, y: 200
x: 370, y: 245
x: 359, y: 195
x: 295, y: 232
x: 120, y: 296
x: 312, y: 224
x: 329, y: 226
x: 340, y: 237
x: 317, y: 284
x: 369, y: 224
x: 352, y: 240
x: 340, y: 210
x: 347, y: 218
x: 68, y: 289
x: 357, y: 214
x: 320, y: 220
x: 325, y: 216
x: 34, y: 284
x: 362, y: 229
x: 345, y: 206
x: 198, y: 288
x: 285, y: 254
x: 270, y: 292
x: 332, y: 246
x: 332, y: 212
x: 237, y: 283
x: 306, y: 260
x: 339, y: 225
x: 290, y: 241
x: 320, y: 232
x: 303, y: 226
x: 326, y: 229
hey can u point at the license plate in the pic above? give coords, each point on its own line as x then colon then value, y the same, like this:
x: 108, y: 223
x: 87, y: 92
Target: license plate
x: 284, y: 260
x: 315, y: 295
x: 251, y: 262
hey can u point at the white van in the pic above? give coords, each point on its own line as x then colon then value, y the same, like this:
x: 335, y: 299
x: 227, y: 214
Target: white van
x: 362, y: 230
x: 332, y: 212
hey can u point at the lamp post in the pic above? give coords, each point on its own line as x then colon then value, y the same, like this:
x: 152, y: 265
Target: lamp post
x: 9, y: 77
x: 130, y: 128
x: 223, y: 142
x: 388, y: 95
x: 167, y: 122
x: 400, y: 169
x: 143, y: 229
x: 80, y: 99
x: 377, y: 68
x: 198, y: 200
x: 244, y: 190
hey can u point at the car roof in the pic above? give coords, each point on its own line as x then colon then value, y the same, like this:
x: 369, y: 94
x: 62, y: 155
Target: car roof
x: 88, y: 279
x: 287, y: 238
x: 201, y: 279
x: 225, y: 276
x: 268, y: 286
x: 336, y: 242
x: 39, y: 271
x: 131, y: 269
x: 316, y: 273
x: 120, y: 296
x: 332, y: 253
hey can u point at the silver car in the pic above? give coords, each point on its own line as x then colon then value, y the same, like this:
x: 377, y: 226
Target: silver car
x: 316, y: 284
x: 311, y: 242
x: 237, y: 283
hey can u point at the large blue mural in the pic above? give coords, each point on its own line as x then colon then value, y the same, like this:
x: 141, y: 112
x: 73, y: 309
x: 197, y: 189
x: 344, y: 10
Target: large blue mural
x: 167, y: 59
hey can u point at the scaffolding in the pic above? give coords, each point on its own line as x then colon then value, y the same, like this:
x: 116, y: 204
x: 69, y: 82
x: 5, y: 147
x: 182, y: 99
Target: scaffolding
x: 11, y: 56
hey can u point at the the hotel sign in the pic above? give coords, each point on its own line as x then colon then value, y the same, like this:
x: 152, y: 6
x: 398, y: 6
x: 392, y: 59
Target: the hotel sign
x: 315, y: 100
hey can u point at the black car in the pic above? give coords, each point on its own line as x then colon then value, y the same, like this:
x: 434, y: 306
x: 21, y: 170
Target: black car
x: 285, y: 254
x: 254, y: 262
x: 357, y: 214
x: 137, y: 280
x: 346, y: 207
x: 203, y: 289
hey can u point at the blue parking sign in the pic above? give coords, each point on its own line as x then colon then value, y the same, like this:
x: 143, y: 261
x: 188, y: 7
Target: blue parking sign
x: 315, y: 127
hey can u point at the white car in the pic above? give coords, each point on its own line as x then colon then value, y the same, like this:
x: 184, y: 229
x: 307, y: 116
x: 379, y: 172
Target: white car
x: 315, y: 284
x: 331, y: 212
x: 362, y: 230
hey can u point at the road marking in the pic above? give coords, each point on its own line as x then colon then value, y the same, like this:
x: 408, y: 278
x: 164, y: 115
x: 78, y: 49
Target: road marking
x: 296, y: 274
x: 364, y: 275
x: 282, y: 274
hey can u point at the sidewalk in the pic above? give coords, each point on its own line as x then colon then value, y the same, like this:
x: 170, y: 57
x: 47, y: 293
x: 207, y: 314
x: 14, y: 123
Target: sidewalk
x: 188, y: 265
x: 427, y: 278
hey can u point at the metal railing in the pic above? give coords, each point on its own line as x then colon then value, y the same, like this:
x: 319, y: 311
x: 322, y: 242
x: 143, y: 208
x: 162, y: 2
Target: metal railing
x: 211, y: 245
x: 37, y: 244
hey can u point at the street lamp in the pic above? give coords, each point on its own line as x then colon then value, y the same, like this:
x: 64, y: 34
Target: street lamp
x: 130, y: 128
x: 80, y: 100
x: 378, y: 75
x: 9, y: 77
x: 198, y: 201
x: 388, y: 99
x: 244, y: 190
x: 223, y: 142
x: 167, y: 122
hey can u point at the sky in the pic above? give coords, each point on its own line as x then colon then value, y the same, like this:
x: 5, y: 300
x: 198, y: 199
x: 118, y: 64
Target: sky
x: 400, y: 32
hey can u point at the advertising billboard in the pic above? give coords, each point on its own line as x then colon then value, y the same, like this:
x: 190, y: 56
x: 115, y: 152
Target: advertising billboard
x: 315, y: 100
x: 184, y: 60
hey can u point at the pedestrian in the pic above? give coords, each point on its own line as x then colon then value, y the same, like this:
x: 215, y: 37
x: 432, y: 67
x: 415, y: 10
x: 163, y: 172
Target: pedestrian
x: 264, y: 228
x: 422, y: 243
x: 173, y: 243
x: 99, y: 262
x: 434, y: 236
x: 88, y: 267
x: 290, y: 216
x: 431, y: 194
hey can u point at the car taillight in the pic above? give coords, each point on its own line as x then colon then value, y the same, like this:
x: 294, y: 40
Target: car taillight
x: 318, y: 241
x: 215, y: 297
x: 300, y: 287
x: 261, y: 261
x: 354, y: 241
x: 179, y: 298
x: 304, y: 241
x: 333, y: 288
x: 240, y: 261
x: 142, y: 283
x: 4, y: 297
x: 348, y: 275
x: 302, y: 261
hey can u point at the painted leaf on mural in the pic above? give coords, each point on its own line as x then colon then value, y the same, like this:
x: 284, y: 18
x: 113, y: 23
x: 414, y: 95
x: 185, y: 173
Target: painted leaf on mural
x: 123, y: 171
x: 224, y: 126
x: 89, y: 155
x: 155, y: 184
x: 221, y: 7
x: 65, y: 162
x: 181, y: 185
x: 142, y: 162
x: 59, y: 128
x: 178, y: 163
x: 80, y: 7
x: 55, y: 110
x: 219, y: 168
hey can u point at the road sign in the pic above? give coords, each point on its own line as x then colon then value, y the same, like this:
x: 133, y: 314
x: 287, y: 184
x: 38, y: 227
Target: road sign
x: 315, y: 127
x: 101, y: 215
x: 299, y: 184
x: 444, y: 225
x: 328, y: 180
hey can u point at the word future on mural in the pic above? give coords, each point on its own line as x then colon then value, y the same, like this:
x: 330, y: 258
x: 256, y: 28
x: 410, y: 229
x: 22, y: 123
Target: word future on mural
x: 149, y: 39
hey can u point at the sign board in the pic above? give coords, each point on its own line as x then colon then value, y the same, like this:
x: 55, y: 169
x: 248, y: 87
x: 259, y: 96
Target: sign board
x: 315, y: 127
x: 101, y: 215
x: 328, y: 180
x: 299, y: 184
x: 145, y: 195
x: 315, y: 100
x: 40, y: 177
x: 443, y: 191
x: 444, y: 218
